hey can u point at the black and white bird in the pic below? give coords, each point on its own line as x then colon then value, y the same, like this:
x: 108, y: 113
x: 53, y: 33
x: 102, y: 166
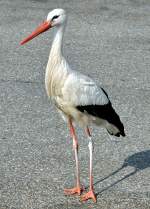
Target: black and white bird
x: 76, y: 96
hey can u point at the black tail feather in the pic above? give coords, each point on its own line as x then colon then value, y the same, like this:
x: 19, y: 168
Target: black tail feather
x: 114, y: 119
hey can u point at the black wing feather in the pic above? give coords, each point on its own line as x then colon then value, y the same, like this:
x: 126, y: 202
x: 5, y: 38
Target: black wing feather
x: 105, y: 112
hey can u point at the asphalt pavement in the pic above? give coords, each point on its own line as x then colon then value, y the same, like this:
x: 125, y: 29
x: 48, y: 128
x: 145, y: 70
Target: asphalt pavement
x: 108, y: 40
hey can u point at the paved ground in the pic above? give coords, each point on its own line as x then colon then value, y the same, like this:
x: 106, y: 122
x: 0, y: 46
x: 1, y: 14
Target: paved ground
x: 111, y: 42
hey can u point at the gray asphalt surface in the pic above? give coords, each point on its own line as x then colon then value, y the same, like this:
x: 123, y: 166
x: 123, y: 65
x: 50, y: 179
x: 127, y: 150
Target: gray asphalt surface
x: 110, y: 41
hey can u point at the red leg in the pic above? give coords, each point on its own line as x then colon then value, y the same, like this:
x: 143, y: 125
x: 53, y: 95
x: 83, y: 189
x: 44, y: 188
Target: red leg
x: 78, y: 189
x: 90, y: 194
x: 88, y: 132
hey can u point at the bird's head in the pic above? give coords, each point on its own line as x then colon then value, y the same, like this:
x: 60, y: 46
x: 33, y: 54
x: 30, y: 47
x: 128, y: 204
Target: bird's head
x: 55, y: 18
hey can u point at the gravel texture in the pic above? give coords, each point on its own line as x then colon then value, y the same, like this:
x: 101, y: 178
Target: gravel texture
x: 110, y: 41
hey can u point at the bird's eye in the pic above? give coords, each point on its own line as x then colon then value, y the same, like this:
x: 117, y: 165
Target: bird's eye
x: 55, y: 17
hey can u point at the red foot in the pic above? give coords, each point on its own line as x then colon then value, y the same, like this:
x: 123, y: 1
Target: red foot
x: 75, y: 190
x: 89, y: 195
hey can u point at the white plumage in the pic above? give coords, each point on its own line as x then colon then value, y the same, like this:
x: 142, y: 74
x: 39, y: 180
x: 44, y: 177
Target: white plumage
x: 75, y: 95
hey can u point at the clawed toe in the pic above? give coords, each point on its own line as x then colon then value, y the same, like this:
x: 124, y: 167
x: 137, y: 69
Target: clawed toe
x: 76, y: 190
x: 88, y: 195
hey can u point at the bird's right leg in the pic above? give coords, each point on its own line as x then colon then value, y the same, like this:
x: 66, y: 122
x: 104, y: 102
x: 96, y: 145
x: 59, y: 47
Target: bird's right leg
x: 90, y: 194
x: 78, y: 189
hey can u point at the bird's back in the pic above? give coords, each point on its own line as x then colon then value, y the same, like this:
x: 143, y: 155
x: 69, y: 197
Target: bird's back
x: 87, y: 97
x: 80, y: 89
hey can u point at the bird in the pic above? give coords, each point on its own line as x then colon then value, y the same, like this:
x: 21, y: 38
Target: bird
x: 77, y: 97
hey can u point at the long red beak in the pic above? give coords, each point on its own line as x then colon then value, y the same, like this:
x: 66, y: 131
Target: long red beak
x: 40, y: 29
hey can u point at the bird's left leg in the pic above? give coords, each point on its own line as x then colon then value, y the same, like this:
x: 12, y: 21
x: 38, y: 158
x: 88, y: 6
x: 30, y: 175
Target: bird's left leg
x: 78, y: 189
x: 90, y: 194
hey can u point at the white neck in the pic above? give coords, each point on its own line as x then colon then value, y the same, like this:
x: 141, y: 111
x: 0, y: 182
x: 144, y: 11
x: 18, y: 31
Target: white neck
x: 56, y: 49
x: 54, y: 73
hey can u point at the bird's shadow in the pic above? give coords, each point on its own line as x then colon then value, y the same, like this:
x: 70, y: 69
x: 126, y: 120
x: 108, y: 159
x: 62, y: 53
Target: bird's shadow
x: 139, y: 161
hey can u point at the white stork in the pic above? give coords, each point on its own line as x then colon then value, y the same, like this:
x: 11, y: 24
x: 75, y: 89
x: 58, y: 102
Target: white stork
x: 76, y: 96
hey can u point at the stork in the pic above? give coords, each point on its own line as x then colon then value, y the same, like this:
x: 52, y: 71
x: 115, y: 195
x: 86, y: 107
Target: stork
x: 76, y: 96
